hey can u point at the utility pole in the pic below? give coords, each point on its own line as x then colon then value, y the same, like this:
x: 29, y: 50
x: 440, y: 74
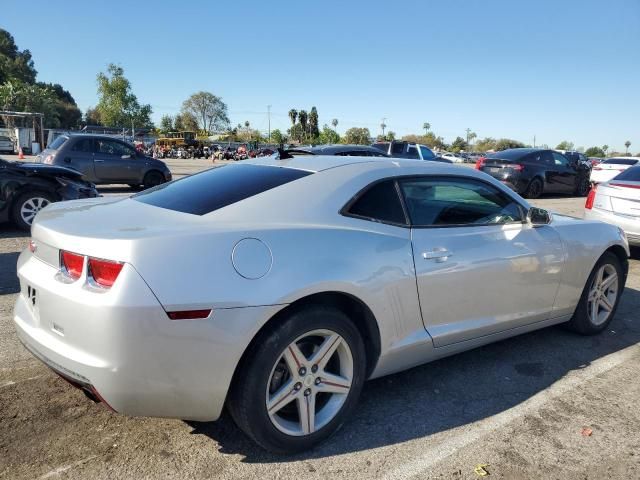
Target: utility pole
x: 468, y: 130
x: 269, y: 121
x: 534, y: 141
x: 383, y: 125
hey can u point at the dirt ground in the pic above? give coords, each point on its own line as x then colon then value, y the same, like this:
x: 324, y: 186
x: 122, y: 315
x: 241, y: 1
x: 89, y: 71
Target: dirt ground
x: 518, y: 406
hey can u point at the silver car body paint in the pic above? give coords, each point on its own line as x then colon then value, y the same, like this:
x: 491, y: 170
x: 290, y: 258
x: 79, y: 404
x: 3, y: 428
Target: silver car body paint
x: 142, y: 363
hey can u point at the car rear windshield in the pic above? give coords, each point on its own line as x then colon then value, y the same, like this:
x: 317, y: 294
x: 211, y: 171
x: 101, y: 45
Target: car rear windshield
x: 630, y: 174
x: 57, y: 143
x: 210, y: 190
x: 621, y: 161
x: 508, y: 154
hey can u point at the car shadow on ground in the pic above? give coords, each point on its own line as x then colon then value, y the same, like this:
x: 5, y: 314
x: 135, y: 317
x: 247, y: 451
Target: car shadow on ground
x: 8, y: 277
x: 454, y: 391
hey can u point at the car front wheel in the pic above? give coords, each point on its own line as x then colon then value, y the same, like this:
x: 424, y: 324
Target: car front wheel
x: 26, y: 207
x: 300, y: 381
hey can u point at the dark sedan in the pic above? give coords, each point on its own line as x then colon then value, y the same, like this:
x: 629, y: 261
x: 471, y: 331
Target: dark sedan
x: 26, y: 188
x: 533, y: 171
x: 342, y: 150
x: 105, y: 160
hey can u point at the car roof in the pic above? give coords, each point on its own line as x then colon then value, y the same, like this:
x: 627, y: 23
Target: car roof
x: 334, y: 149
x: 319, y: 163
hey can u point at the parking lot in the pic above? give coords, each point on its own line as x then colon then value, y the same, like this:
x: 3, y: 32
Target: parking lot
x: 518, y: 406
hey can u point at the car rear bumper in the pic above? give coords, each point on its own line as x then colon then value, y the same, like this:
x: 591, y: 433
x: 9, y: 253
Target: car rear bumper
x: 630, y: 225
x: 120, y: 345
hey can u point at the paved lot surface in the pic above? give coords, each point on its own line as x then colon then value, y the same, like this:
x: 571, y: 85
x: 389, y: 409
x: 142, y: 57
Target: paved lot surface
x: 519, y: 406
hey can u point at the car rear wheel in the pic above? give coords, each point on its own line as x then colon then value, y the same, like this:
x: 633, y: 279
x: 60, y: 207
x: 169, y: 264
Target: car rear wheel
x: 152, y: 179
x: 534, y: 190
x: 600, y: 297
x: 583, y: 187
x: 300, y: 381
x: 28, y: 205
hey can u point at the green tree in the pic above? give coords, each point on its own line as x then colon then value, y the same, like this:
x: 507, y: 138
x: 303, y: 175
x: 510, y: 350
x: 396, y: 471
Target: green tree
x: 357, y: 136
x: 594, y: 152
x: 92, y: 117
x: 117, y: 105
x: 471, y: 136
x: 296, y: 132
x: 328, y: 136
x: 278, y: 137
x: 334, y: 123
x: 605, y: 148
x: 314, y: 130
x: 458, y: 144
x: 185, y: 122
x: 486, y: 144
x: 15, y: 64
x: 209, y: 110
x: 303, y: 117
x: 506, y: 143
x: 166, y: 124
x: 426, y: 126
x: 17, y: 95
x: 627, y: 144
x: 565, y: 145
x: 293, y: 116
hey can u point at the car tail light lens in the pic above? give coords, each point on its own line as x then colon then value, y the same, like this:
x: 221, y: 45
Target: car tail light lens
x: 517, y: 167
x: 590, y: 198
x: 48, y: 159
x: 104, y: 272
x: 480, y: 162
x: 189, y: 314
x: 71, y: 264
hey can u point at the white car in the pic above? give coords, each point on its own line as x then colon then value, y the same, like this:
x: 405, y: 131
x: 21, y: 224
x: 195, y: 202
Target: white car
x: 452, y: 157
x: 6, y: 144
x: 276, y: 287
x: 618, y: 202
x: 605, y: 171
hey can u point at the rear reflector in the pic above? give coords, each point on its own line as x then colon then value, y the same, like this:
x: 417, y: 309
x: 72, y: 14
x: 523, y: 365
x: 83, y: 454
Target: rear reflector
x: 590, y: 198
x: 189, y: 314
x: 104, y: 272
x: 71, y: 264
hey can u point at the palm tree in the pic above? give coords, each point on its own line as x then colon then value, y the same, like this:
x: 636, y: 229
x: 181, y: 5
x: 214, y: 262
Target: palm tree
x: 383, y: 126
x: 605, y: 148
x: 627, y: 144
x: 293, y: 116
x: 334, y: 122
x: 426, y: 126
x: 303, y: 117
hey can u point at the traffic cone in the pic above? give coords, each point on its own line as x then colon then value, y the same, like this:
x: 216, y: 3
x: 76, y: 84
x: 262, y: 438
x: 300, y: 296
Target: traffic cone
x: 20, y: 154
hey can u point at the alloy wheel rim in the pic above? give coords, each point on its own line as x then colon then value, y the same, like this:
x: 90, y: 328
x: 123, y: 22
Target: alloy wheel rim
x: 603, y: 293
x: 309, y: 383
x: 31, y: 207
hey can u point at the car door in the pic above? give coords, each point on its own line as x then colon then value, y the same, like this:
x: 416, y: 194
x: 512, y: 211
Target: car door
x: 480, y: 267
x: 116, y: 162
x: 79, y: 156
x: 565, y: 174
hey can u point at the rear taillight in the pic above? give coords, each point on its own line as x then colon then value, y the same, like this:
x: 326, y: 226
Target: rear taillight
x: 590, y: 198
x: 104, y: 272
x: 71, y: 264
x: 480, y: 162
x: 48, y: 159
x: 189, y: 314
x: 517, y: 167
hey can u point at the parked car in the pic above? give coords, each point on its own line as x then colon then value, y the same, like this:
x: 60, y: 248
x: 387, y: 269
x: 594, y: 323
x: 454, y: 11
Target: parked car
x: 451, y: 157
x: 618, y: 202
x: 105, y: 160
x: 26, y: 188
x: 534, y: 171
x: 611, y: 167
x: 277, y: 287
x: 6, y: 144
x: 340, y: 150
x: 413, y: 151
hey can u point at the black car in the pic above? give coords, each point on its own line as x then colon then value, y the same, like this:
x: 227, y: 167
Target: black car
x: 344, y: 150
x: 26, y: 188
x: 534, y: 171
x: 412, y: 151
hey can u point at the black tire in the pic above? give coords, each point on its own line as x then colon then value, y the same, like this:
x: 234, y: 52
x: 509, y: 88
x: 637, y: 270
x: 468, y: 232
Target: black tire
x: 535, y: 189
x: 153, y: 179
x: 134, y: 186
x: 254, y: 373
x: 581, y: 322
x: 20, y: 218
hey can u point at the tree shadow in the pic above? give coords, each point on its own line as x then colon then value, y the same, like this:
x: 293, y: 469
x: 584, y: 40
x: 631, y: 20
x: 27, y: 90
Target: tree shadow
x: 454, y: 391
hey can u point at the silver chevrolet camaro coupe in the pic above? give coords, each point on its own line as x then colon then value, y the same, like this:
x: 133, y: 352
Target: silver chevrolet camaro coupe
x: 277, y: 287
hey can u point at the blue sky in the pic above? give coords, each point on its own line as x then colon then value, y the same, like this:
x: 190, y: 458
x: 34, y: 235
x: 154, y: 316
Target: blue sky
x: 557, y: 69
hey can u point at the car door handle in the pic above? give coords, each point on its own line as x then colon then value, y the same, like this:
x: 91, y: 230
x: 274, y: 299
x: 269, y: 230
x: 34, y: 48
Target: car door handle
x: 437, y: 254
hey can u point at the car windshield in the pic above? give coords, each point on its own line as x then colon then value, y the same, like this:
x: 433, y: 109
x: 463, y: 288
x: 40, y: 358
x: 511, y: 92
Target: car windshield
x: 57, y: 143
x: 621, y: 161
x: 630, y: 174
x: 216, y: 188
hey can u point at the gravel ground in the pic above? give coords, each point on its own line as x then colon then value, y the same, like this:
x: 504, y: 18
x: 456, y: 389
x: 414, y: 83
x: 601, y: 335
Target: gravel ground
x: 518, y: 405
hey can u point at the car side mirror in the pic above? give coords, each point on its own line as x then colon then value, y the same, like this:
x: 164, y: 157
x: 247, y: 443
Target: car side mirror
x: 538, y: 216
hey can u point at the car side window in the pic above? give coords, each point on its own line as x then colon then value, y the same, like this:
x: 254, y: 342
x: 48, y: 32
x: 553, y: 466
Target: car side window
x: 427, y: 154
x: 559, y: 159
x: 111, y: 147
x: 379, y: 202
x: 84, y: 145
x: 453, y: 201
x: 547, y: 158
x: 412, y: 152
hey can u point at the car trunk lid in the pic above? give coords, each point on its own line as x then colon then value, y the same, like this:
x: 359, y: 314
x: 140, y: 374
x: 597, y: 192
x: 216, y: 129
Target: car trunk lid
x: 624, y: 197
